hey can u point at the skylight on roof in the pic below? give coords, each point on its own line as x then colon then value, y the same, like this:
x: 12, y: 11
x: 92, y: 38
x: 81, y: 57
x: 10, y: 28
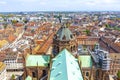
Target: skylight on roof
x: 53, y: 68
x: 58, y: 74
x: 53, y: 59
x: 58, y: 64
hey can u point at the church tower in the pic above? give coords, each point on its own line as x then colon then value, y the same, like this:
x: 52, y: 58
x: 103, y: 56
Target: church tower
x: 64, y: 39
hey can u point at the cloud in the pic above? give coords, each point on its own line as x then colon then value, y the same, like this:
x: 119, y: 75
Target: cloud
x: 27, y: 0
x: 104, y: 2
x: 43, y: 3
x: 2, y: 2
x: 27, y: 5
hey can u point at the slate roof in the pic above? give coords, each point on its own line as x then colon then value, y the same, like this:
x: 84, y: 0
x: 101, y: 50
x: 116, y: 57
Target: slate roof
x: 64, y: 34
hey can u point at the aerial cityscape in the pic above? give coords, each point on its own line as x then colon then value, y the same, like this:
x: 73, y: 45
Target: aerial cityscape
x: 60, y: 40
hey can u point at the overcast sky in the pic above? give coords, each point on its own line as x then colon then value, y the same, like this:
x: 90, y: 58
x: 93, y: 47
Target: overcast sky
x: 59, y: 5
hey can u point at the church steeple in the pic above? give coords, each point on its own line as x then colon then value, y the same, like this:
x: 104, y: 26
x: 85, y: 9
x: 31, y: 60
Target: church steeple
x: 64, y: 38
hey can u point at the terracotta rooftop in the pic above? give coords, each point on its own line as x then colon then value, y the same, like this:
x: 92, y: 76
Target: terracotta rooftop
x: 11, y: 38
x: 18, y: 24
x: 31, y: 23
x: 28, y: 34
x: 82, y: 37
x: 118, y: 44
x: 46, y: 45
x: 2, y: 31
x: 112, y: 44
x: 2, y: 56
x: 39, y: 41
x: 114, y: 56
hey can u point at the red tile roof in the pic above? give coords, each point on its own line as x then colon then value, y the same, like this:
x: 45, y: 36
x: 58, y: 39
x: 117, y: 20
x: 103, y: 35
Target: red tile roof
x: 31, y: 23
x: 11, y: 38
x: 46, y: 45
x: 18, y: 24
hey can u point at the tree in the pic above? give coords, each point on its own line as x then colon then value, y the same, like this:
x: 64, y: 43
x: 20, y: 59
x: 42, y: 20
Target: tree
x: 107, y: 25
x: 13, y: 77
x: 118, y: 75
x: 5, y: 26
x: 87, y: 32
x: 14, y: 21
x: 10, y: 15
x: 1, y: 15
x: 25, y: 21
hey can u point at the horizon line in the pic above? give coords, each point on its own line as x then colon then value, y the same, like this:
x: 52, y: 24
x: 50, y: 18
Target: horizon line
x: 63, y: 11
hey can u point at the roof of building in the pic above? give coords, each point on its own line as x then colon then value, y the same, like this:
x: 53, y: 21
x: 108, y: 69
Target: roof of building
x: 114, y: 56
x: 11, y: 37
x: 37, y: 60
x: 86, y: 61
x: 3, y: 42
x: 2, y: 66
x: 28, y: 78
x: 46, y: 45
x: 2, y: 56
x: 65, y: 67
x: 64, y: 34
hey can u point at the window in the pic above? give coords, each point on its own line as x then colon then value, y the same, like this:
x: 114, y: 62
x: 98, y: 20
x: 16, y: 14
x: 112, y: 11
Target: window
x: 97, y: 73
x: 33, y: 74
x: 58, y: 74
x: 58, y: 64
x: 71, y: 48
x: 87, y: 73
x: 71, y: 36
x: 64, y: 38
x: 74, y: 47
x: 52, y: 68
x: 44, y: 72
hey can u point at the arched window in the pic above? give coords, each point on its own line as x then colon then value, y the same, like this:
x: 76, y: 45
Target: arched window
x: 71, y: 36
x: 74, y: 47
x: 97, y: 73
x: 87, y: 74
x: 33, y: 74
x: 44, y: 72
x: 64, y: 38
x: 55, y: 37
x: 71, y: 48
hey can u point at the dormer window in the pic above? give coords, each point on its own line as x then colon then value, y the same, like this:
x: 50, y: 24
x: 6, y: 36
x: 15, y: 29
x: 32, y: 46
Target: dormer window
x: 64, y: 38
x: 71, y: 36
x: 55, y: 37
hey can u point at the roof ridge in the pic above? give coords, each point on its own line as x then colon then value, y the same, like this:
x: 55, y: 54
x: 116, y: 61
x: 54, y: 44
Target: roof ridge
x: 66, y: 63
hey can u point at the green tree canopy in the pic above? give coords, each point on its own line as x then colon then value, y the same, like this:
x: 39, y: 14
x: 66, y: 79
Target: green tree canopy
x: 14, y: 21
x: 87, y: 32
x: 118, y: 74
x: 13, y: 77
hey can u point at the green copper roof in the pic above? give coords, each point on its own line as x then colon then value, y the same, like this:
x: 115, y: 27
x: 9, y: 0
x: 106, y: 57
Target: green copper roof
x: 28, y: 78
x: 86, y: 61
x: 65, y: 67
x: 37, y: 60
x: 64, y: 34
